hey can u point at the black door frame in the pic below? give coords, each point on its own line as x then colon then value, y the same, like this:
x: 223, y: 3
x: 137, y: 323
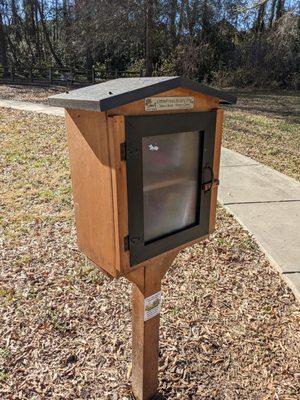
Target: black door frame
x: 137, y: 127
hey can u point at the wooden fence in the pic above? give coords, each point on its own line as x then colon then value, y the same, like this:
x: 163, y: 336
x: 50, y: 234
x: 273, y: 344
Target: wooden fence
x: 59, y: 77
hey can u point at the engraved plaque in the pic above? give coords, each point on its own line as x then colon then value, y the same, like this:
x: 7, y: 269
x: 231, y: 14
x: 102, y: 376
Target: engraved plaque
x: 169, y: 103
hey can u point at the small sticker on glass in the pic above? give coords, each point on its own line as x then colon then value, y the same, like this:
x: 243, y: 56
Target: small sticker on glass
x: 153, y: 147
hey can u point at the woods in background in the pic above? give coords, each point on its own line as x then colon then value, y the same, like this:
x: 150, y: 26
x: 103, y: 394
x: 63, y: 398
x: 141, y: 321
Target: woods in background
x: 229, y: 43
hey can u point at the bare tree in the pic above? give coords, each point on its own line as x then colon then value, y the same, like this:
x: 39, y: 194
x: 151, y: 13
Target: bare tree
x: 280, y: 9
x: 173, y: 14
x: 260, y: 19
x: 3, y: 44
x: 46, y: 35
x: 231, y: 41
x: 272, y: 13
x: 149, y: 33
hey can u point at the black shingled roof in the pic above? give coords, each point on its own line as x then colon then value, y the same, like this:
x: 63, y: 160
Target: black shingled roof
x: 107, y: 95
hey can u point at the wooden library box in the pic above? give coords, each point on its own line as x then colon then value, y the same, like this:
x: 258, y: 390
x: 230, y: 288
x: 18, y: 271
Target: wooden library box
x: 144, y: 156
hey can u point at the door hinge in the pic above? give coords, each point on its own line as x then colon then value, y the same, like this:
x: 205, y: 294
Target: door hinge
x: 132, y: 241
x: 123, y: 151
x: 126, y: 243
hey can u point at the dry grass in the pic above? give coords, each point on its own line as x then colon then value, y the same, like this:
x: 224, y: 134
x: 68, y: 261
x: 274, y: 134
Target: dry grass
x: 266, y: 127
x: 230, y: 326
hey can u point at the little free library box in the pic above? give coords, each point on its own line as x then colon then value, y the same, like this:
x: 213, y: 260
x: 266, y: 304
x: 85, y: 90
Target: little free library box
x: 145, y: 156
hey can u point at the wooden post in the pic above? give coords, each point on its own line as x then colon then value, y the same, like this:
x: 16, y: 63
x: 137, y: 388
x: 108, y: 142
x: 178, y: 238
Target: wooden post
x: 145, y: 341
x: 145, y: 334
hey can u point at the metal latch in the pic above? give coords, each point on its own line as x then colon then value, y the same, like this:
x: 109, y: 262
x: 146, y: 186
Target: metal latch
x: 208, y: 185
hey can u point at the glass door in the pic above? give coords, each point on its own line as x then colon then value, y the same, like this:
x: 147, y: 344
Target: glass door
x: 167, y: 156
x: 170, y: 183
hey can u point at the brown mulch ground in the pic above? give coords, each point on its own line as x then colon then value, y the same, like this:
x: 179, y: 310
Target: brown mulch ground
x: 34, y: 94
x: 230, y: 326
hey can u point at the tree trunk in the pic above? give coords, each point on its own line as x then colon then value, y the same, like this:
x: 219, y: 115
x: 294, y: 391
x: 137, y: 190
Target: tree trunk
x: 205, y: 20
x: 173, y: 13
x: 260, y: 20
x: 46, y: 34
x: 191, y: 11
x: 39, y: 52
x: 272, y: 13
x: 29, y: 28
x: 280, y: 9
x: 66, y: 34
x: 149, y: 33
x: 180, y: 22
x: 3, y: 48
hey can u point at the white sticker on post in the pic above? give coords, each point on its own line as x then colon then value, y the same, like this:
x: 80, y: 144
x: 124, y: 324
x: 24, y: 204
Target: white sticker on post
x: 169, y: 103
x: 152, y: 306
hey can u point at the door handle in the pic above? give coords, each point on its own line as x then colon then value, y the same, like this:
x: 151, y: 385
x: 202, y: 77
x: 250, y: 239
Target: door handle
x: 206, y: 186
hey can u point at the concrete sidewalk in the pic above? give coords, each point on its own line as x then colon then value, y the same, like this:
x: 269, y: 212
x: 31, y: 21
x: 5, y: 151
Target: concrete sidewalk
x: 34, y: 107
x: 267, y: 204
x: 264, y: 201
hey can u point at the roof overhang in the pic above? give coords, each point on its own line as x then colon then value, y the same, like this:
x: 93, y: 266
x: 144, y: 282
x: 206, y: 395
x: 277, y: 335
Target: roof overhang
x: 115, y: 93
